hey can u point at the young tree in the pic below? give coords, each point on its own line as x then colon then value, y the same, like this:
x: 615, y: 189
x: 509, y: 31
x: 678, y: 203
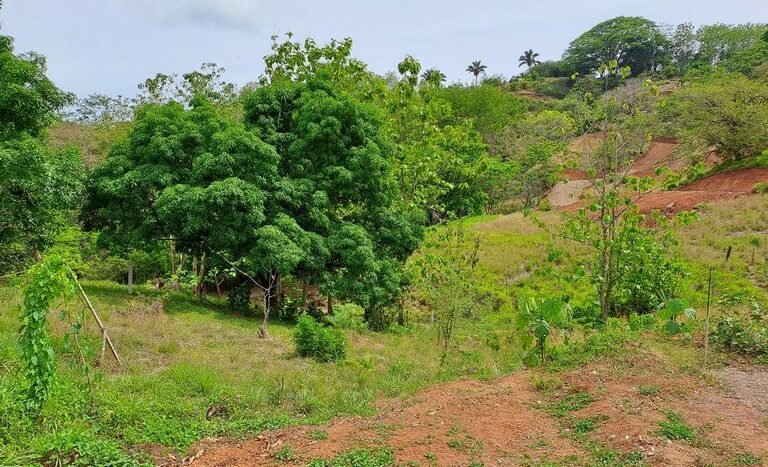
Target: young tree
x: 476, y: 68
x: 445, y: 275
x: 611, y: 223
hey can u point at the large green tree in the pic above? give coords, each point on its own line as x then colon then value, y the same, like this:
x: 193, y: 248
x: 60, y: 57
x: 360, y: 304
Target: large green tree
x: 38, y: 186
x: 630, y: 40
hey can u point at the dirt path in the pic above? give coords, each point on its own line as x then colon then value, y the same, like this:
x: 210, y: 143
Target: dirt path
x: 510, y: 421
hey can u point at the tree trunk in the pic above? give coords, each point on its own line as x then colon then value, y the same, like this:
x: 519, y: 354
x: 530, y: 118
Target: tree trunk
x: 330, y: 304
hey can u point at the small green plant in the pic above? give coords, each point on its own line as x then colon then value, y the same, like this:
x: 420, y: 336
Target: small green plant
x: 748, y: 459
x: 671, y: 311
x: 431, y: 456
x: 381, y: 457
x: 583, y: 426
x: 674, y: 428
x: 319, y: 435
x: 320, y: 342
x: 648, y: 390
x: 537, y: 319
x: 570, y: 403
x: 285, y: 454
x: 547, y: 383
x: 760, y: 188
x: 744, y: 333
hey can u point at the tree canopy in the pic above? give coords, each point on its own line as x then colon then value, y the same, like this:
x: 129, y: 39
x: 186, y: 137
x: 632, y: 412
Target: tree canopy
x: 630, y: 40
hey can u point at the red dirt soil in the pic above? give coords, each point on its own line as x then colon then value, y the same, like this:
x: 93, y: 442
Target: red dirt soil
x: 502, y: 422
x: 723, y: 185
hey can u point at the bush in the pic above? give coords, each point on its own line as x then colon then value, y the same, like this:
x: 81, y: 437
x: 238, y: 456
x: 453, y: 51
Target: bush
x: 239, y: 299
x: 746, y: 334
x: 314, y: 340
x: 760, y: 187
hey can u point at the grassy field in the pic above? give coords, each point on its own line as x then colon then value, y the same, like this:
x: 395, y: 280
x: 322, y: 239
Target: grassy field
x: 187, y: 358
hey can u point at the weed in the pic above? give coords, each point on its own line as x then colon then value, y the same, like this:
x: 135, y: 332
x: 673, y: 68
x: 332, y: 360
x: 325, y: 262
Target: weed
x: 748, y: 459
x: 381, y: 457
x: 648, y: 390
x: 319, y: 435
x: 430, y: 456
x: 570, y: 403
x: 547, y: 383
x: 467, y: 445
x: 285, y: 454
x: 583, y: 426
x: 674, y: 428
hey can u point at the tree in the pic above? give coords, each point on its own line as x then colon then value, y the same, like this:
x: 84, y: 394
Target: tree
x: 727, y: 111
x: 39, y: 186
x: 434, y: 76
x: 206, y: 82
x: 629, y: 40
x: 446, y: 277
x: 528, y: 58
x: 720, y: 41
x: 100, y: 109
x: 29, y: 100
x: 683, y: 47
x: 476, y: 68
x: 630, y: 267
x: 335, y: 182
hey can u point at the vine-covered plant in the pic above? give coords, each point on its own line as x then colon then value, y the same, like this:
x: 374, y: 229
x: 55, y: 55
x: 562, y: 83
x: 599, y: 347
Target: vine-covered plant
x: 48, y: 280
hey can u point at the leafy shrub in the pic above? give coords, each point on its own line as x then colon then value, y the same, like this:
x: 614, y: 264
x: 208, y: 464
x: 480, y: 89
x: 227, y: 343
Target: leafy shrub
x: 537, y: 320
x: 381, y: 457
x: 314, y: 340
x: 347, y: 316
x: 239, y: 299
x: 289, y: 309
x: 672, y: 311
x: 82, y: 449
x: 743, y: 333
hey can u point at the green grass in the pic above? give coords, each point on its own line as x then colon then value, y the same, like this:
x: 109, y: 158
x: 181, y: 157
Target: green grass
x: 648, y: 390
x: 675, y: 428
x: 185, y: 356
x: 381, y: 457
x: 569, y: 403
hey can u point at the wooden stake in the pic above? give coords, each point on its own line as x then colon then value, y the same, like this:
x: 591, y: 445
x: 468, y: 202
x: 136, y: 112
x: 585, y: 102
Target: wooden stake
x: 105, y: 336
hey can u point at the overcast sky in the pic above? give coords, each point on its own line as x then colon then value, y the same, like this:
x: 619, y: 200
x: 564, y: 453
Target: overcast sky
x: 109, y: 46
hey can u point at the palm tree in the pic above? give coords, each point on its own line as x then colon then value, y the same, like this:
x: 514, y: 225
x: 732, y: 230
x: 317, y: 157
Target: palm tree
x: 434, y: 76
x: 476, y: 68
x: 528, y: 58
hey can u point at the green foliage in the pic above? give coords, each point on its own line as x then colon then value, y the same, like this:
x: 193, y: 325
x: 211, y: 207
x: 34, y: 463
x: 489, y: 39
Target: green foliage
x: 39, y: 189
x: 239, y: 298
x: 39, y: 185
x: 381, y: 457
x: 446, y: 277
x: 648, y: 390
x: 491, y: 108
x: 721, y: 42
x: 322, y: 343
x: 570, y: 403
x: 538, y: 319
x: 631, y: 41
x: 729, y: 112
x: 82, y: 449
x: 671, y: 311
x: 48, y: 280
x: 675, y: 428
x: 28, y: 99
x: 744, y: 333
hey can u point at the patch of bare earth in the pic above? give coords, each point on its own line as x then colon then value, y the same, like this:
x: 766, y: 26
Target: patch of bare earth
x: 504, y: 422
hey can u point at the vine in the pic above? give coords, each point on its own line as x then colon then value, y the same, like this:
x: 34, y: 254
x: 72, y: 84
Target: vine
x: 48, y: 280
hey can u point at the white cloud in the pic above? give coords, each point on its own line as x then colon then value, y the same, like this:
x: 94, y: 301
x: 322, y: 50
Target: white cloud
x: 234, y: 14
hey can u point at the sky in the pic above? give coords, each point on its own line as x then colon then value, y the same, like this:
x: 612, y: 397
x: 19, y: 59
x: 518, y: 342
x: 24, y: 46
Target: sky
x: 109, y: 46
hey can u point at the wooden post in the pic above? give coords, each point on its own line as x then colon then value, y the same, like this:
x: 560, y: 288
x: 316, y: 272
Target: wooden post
x: 130, y: 279
x: 105, y: 337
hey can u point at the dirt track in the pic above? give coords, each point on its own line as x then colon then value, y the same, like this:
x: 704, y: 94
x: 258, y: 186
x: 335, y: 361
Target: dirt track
x: 504, y: 422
